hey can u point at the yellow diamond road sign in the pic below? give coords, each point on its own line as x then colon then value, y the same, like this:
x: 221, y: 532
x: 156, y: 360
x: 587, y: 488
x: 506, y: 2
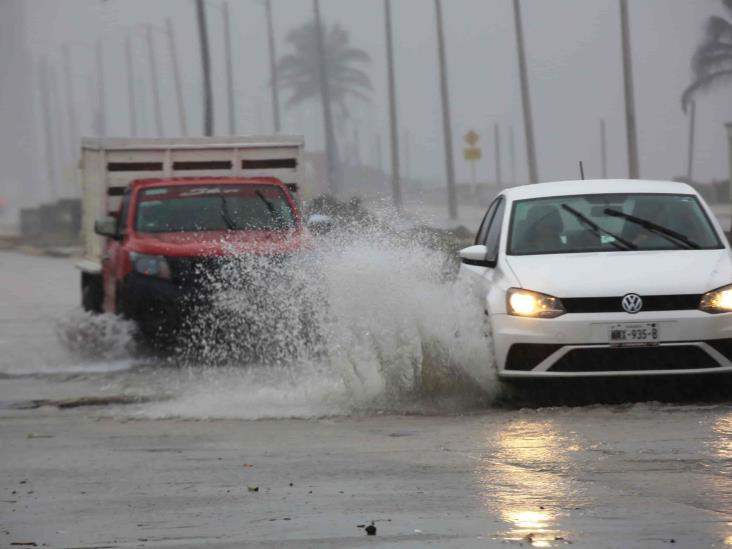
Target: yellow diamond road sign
x: 471, y: 138
x: 472, y: 153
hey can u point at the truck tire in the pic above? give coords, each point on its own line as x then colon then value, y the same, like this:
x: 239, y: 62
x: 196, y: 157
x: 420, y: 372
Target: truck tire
x: 92, y: 292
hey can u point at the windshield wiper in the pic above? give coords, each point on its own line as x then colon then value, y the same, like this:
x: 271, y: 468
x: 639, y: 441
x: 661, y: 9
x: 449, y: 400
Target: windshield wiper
x: 267, y: 203
x: 597, y: 230
x: 226, y: 216
x: 662, y: 231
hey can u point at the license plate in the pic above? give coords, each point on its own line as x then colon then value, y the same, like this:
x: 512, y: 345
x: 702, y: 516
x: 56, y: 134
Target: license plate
x: 641, y: 333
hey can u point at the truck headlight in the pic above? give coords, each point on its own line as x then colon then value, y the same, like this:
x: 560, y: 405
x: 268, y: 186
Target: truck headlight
x: 717, y: 301
x: 521, y: 302
x: 150, y: 265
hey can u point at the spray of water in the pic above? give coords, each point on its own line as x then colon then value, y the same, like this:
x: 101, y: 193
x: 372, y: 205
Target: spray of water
x: 97, y: 337
x: 364, y: 321
x: 367, y: 319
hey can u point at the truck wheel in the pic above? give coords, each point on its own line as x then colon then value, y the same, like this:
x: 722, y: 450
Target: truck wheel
x: 92, y: 293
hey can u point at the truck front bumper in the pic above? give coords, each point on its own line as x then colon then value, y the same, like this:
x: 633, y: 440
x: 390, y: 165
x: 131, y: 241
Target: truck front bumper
x: 158, y: 306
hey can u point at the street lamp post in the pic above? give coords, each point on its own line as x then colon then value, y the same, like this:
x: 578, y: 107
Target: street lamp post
x: 630, y: 120
x: 330, y: 144
x: 446, y: 122
x: 525, y: 95
x: 205, y: 69
x: 393, y: 123
x: 273, y: 68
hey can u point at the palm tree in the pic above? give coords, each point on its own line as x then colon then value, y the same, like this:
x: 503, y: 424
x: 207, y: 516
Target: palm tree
x: 341, y: 79
x: 712, y: 61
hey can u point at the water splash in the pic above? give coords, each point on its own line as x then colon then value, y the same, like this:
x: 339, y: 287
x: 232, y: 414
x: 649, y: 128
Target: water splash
x: 364, y: 321
x: 99, y: 337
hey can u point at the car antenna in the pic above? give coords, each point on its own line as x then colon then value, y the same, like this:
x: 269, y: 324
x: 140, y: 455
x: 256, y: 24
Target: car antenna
x: 582, y: 170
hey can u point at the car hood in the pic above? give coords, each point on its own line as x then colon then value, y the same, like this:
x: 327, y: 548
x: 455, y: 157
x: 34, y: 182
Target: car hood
x: 609, y: 274
x: 220, y: 243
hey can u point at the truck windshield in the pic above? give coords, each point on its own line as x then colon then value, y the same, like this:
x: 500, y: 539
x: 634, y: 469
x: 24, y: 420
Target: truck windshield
x: 213, y: 208
x: 609, y: 223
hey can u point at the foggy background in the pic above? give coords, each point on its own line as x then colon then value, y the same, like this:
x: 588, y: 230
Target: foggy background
x: 574, y: 63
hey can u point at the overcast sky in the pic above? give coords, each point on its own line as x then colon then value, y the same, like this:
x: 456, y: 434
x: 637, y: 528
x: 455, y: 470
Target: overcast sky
x: 574, y: 61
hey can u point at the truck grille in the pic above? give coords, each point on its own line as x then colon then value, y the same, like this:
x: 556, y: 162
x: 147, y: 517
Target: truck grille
x: 223, y: 271
x: 193, y: 271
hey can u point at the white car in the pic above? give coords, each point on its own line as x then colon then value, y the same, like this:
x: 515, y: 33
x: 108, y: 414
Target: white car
x: 603, y: 278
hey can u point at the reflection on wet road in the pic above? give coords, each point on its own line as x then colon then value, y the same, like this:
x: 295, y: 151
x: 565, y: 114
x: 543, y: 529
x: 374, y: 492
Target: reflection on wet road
x: 528, y: 481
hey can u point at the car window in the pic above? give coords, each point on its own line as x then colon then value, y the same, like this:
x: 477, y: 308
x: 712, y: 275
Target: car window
x: 123, y: 212
x: 494, y: 232
x: 483, y: 230
x: 486, y: 223
x: 610, y: 222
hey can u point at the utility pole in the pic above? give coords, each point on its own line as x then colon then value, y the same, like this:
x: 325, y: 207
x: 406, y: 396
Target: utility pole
x: 101, y: 106
x: 131, y: 87
x: 512, y: 155
x: 70, y: 102
x: 378, y: 154
x: 176, y: 77
x: 393, y: 122
x: 630, y: 120
x: 407, y: 156
x: 692, y: 124
x: 229, y: 69
x: 356, y: 145
x: 58, y: 134
x: 273, y: 68
x: 603, y: 148
x: 47, y: 126
x: 330, y: 144
x: 446, y: 123
x: 497, y: 143
x: 154, y: 80
x: 205, y: 69
x: 525, y: 95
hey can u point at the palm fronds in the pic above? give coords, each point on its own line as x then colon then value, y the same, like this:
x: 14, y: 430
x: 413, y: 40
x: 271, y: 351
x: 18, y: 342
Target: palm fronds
x: 711, y: 63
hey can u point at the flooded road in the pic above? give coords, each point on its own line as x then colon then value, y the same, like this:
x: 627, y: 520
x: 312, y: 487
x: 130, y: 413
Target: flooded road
x: 103, y: 447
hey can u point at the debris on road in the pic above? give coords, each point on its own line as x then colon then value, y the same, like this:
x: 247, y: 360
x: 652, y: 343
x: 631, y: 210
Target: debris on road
x: 370, y: 529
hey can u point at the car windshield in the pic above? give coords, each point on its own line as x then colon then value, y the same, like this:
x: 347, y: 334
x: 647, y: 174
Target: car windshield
x: 213, y: 208
x: 609, y: 222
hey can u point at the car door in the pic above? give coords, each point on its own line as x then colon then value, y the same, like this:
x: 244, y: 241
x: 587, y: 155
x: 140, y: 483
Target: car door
x: 112, y: 258
x: 481, y: 277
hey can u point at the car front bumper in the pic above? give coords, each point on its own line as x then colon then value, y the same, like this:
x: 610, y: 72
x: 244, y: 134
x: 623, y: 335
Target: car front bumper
x: 577, y: 345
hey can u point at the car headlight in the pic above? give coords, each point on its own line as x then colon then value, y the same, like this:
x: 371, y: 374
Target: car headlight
x: 533, y: 304
x: 150, y: 265
x: 717, y: 301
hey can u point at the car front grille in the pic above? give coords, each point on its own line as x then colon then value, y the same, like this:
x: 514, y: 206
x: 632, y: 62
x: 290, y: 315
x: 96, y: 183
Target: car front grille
x: 682, y: 302
x: 524, y: 357
x: 634, y: 359
x: 723, y: 346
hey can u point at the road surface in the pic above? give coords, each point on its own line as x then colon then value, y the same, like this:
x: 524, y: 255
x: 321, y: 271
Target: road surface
x: 116, y: 450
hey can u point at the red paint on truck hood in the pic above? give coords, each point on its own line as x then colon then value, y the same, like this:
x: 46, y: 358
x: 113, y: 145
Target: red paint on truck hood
x: 220, y: 243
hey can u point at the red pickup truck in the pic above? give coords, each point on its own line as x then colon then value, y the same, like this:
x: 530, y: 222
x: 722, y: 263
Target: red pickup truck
x: 162, y: 248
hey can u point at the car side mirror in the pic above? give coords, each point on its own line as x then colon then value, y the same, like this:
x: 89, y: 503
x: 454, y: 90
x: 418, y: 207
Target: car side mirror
x: 476, y: 255
x: 106, y: 226
x: 320, y: 223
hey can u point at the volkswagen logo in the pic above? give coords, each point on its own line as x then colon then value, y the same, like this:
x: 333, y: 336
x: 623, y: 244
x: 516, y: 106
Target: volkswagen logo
x: 632, y: 303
